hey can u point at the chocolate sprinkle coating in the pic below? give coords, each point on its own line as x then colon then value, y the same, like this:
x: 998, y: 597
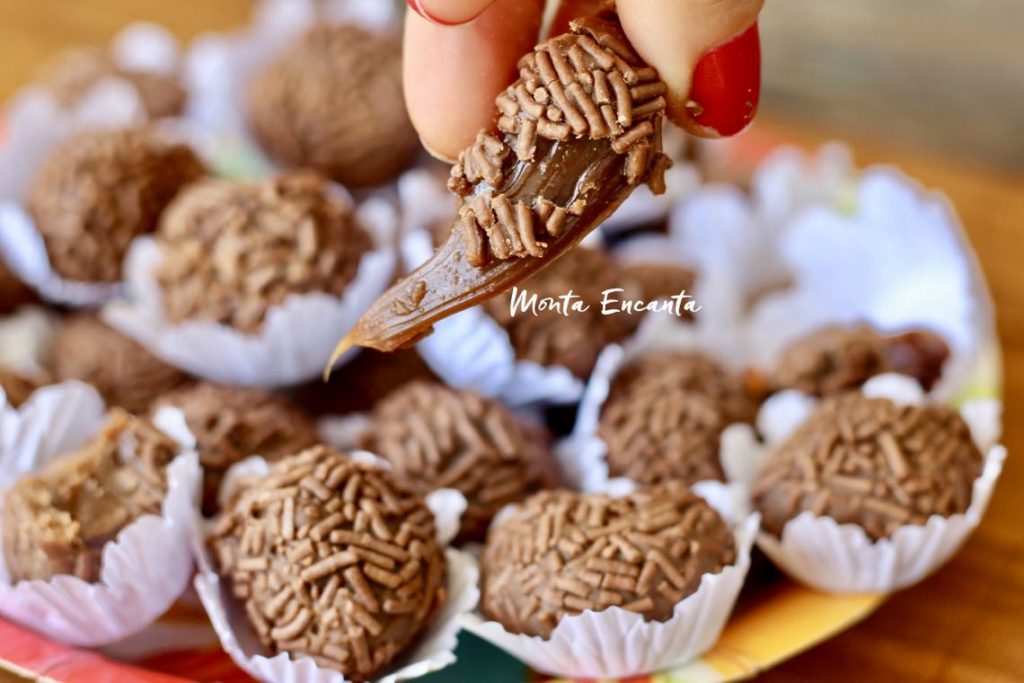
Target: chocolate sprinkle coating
x: 334, y: 560
x: 664, y: 417
x: 232, y: 423
x: 561, y: 553
x: 57, y: 521
x: 574, y: 340
x: 837, y: 358
x: 126, y: 374
x: 870, y: 462
x: 73, y: 73
x: 333, y: 101
x: 436, y: 437
x: 588, y: 83
x: 100, y: 190
x: 232, y: 250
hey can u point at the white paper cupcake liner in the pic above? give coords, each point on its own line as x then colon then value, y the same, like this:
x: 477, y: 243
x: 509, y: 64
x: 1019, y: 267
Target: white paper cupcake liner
x: 433, y: 651
x: 469, y: 350
x: 842, y: 558
x: 616, y: 643
x: 296, y: 339
x: 220, y: 66
x: 143, y: 571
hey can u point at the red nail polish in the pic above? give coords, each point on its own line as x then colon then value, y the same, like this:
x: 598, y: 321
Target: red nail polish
x: 727, y: 84
x: 420, y: 9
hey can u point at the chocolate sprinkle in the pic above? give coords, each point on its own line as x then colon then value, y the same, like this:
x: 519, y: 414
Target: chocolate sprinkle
x: 870, y: 462
x: 332, y: 560
x: 561, y: 553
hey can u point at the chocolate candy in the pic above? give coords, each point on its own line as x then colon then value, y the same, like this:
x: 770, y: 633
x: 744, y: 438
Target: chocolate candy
x: 332, y: 560
x: 870, y: 462
x: 13, y: 292
x: 551, y: 337
x: 561, y: 553
x: 332, y: 101
x: 74, y: 72
x: 18, y: 386
x: 58, y: 520
x: 665, y: 414
x: 232, y: 250
x: 578, y: 132
x: 836, y: 358
x: 100, y: 190
x: 232, y: 423
x: 125, y: 374
x: 436, y: 437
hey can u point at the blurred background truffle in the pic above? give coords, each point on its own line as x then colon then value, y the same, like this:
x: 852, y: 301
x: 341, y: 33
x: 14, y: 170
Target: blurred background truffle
x: 333, y: 101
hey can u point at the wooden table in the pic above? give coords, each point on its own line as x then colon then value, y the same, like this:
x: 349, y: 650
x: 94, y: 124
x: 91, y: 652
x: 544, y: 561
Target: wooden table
x: 964, y: 624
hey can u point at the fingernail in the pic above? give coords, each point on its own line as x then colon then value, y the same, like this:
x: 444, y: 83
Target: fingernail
x: 727, y: 84
x: 422, y: 8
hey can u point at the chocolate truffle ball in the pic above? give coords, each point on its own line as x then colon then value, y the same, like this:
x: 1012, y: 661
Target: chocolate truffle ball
x: 661, y: 280
x: 870, y: 462
x: 333, y: 560
x: 664, y: 417
x: 233, y: 250
x: 125, y: 374
x: 57, y: 521
x: 436, y: 437
x: 98, y: 191
x: 561, y: 553
x: 73, y: 73
x: 333, y: 101
x: 575, y: 339
x: 232, y: 423
x: 836, y: 358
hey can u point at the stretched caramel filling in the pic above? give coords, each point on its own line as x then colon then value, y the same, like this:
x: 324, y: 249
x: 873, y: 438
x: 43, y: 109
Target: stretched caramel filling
x: 577, y: 132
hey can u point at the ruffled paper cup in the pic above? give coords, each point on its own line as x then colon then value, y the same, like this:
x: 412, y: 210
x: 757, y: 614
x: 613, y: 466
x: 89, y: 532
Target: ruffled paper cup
x: 842, y: 558
x: 220, y: 66
x: 616, y: 643
x: 143, y: 570
x: 895, y: 257
x: 469, y: 350
x: 296, y: 339
x: 432, y: 651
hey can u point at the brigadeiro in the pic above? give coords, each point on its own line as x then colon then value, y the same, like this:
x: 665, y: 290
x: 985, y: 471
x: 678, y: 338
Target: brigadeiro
x: 332, y: 101
x: 836, y: 358
x: 233, y: 250
x: 870, y: 462
x: 574, y: 338
x: 231, y: 423
x: 664, y: 415
x: 57, y: 521
x: 72, y: 75
x: 562, y: 553
x: 332, y: 560
x: 98, y: 191
x: 435, y: 437
x: 125, y: 374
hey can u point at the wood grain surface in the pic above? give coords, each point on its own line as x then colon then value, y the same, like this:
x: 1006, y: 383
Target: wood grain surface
x: 964, y: 624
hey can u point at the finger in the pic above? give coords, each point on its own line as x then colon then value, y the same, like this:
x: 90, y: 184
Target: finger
x: 449, y: 12
x: 452, y: 74
x: 709, y: 54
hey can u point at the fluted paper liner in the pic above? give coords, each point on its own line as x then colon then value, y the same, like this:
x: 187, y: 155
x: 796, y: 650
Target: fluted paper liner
x: 842, y: 558
x: 469, y: 350
x: 296, y: 338
x: 432, y: 651
x: 143, y: 570
x: 614, y: 642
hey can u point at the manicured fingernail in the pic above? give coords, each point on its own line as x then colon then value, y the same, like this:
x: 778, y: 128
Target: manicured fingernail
x: 727, y: 84
x: 424, y: 9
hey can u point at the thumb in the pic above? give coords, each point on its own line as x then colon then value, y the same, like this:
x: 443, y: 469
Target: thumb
x: 449, y: 12
x: 708, y: 52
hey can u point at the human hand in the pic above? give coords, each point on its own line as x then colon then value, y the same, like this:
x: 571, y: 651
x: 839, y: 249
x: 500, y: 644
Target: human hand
x: 459, y: 54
